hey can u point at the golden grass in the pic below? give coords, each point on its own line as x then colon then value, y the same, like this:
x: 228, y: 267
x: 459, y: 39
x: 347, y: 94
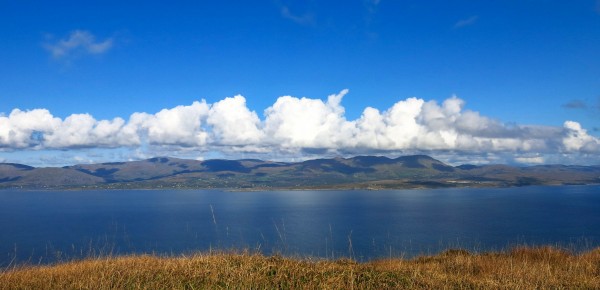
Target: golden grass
x: 519, y: 268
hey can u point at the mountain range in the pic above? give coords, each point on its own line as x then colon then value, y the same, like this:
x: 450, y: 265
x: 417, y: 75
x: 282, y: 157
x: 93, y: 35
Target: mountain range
x: 360, y: 172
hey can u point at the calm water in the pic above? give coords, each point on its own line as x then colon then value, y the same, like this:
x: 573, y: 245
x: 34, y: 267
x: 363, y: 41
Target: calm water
x: 48, y: 225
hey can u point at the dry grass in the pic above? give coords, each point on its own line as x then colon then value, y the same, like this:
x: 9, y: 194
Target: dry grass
x: 519, y: 268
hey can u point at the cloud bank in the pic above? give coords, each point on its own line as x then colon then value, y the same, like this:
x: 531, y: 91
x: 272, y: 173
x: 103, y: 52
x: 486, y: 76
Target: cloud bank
x: 295, y: 126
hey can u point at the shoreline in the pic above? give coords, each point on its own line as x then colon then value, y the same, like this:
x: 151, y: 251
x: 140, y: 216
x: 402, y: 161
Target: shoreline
x: 254, y: 189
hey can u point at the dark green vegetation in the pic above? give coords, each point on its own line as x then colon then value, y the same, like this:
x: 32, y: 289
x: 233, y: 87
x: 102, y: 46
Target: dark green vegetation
x: 361, y: 172
x: 519, y: 268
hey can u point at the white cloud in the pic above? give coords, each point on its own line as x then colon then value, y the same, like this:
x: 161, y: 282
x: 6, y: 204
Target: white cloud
x: 307, y: 123
x: 82, y: 130
x: 293, y: 126
x: 233, y: 123
x: 20, y: 128
x: 178, y: 126
x: 78, y: 42
x: 577, y: 139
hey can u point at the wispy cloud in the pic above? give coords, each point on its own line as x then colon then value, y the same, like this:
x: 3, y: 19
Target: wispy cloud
x: 372, y: 6
x: 78, y: 42
x: 575, y: 104
x: 466, y: 22
x: 302, y: 19
x: 298, y: 126
x: 592, y: 107
x: 530, y: 160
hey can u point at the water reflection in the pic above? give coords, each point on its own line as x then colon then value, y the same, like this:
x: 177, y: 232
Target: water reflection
x: 361, y: 224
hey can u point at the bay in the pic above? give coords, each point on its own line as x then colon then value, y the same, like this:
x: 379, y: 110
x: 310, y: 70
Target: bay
x: 49, y: 226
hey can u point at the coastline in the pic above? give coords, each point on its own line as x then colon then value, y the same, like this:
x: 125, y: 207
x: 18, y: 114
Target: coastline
x: 345, y: 187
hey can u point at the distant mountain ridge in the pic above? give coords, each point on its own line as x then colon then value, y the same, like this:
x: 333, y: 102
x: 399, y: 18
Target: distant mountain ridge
x: 360, y: 172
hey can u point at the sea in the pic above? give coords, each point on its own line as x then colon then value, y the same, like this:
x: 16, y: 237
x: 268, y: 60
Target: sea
x: 41, y: 227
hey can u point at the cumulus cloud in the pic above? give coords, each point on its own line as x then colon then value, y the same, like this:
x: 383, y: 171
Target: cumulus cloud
x: 177, y: 126
x: 307, y: 123
x: 233, y: 123
x: 577, y: 139
x: 38, y: 129
x: 20, y: 128
x: 296, y: 126
x: 78, y: 42
x: 82, y: 130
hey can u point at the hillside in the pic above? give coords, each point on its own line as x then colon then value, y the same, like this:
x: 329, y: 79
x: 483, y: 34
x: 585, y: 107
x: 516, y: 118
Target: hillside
x: 366, y: 172
x: 518, y: 268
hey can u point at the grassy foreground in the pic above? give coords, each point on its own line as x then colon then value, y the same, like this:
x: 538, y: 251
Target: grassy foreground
x: 539, y: 267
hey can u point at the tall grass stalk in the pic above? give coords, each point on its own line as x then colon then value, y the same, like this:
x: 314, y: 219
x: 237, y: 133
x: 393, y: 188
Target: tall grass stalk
x: 516, y: 268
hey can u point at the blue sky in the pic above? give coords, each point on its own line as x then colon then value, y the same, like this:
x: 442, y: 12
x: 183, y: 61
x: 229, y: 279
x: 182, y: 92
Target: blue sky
x: 517, y: 64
